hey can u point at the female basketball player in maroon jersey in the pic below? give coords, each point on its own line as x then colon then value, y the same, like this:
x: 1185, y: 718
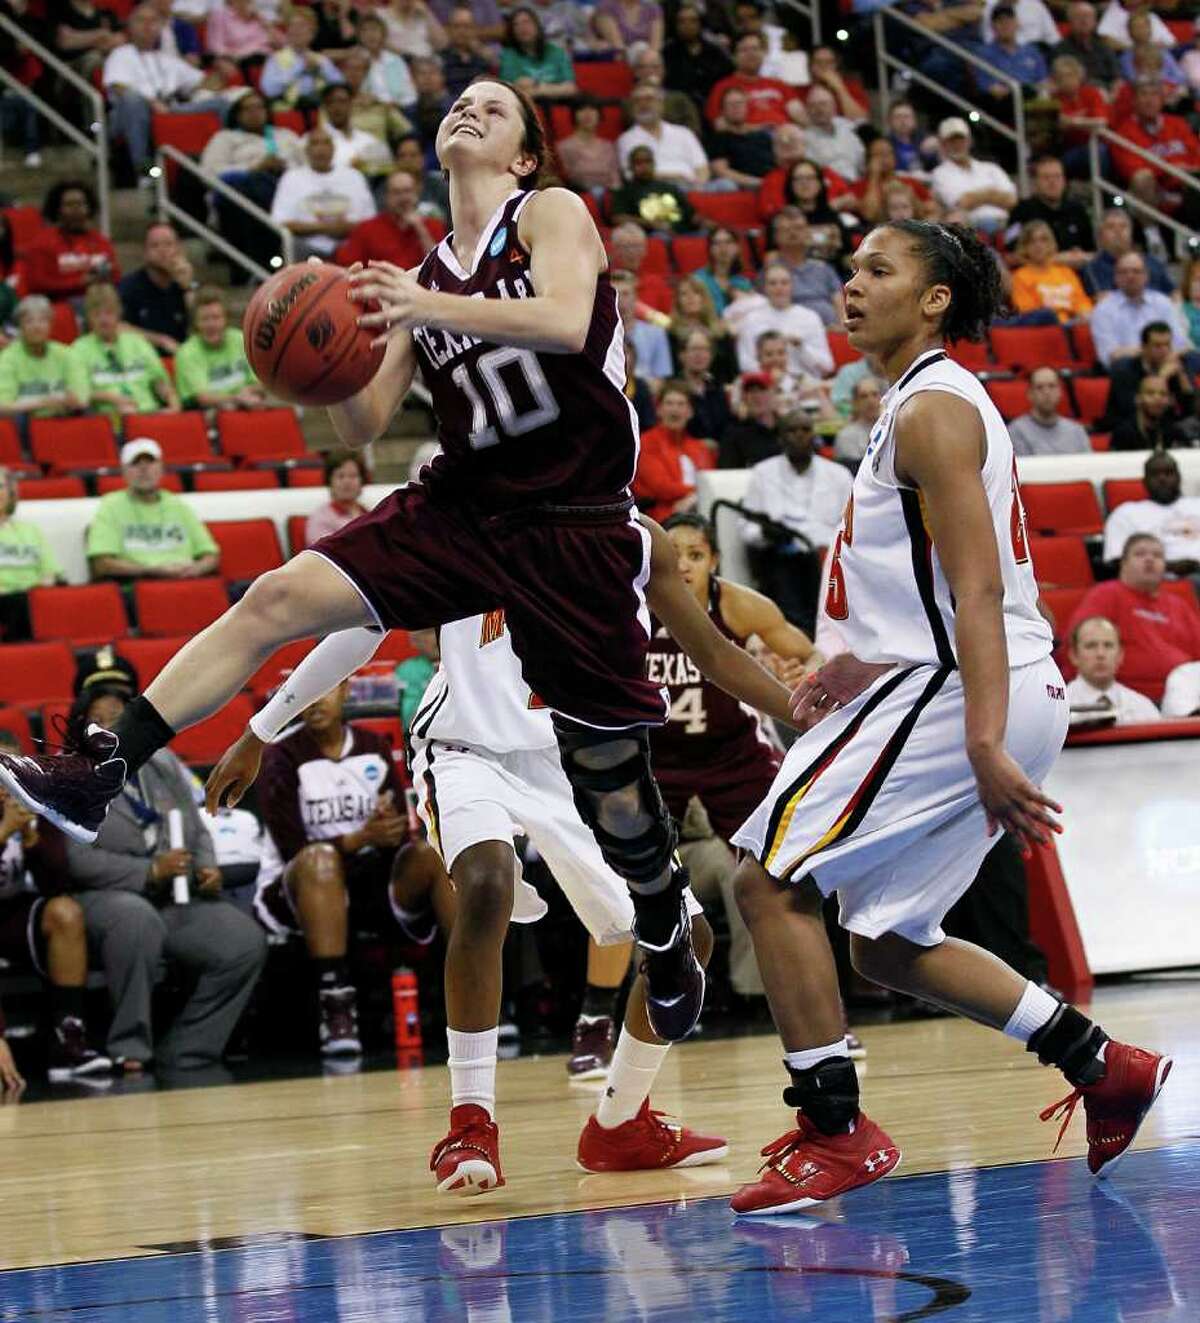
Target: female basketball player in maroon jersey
x: 514, y: 327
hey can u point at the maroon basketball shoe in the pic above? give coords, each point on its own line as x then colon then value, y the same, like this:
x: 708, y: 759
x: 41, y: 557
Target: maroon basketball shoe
x: 805, y: 1167
x: 674, y: 980
x: 591, y: 1048
x: 1116, y: 1105
x: 72, y: 789
x: 467, y: 1161
x: 647, y: 1143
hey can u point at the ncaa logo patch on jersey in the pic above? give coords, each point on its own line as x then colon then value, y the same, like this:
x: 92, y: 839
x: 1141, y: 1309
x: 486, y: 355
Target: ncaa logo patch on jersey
x: 371, y: 773
x: 498, y: 241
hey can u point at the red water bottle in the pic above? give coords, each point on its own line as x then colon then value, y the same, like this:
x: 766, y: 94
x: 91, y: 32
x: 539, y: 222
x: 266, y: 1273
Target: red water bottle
x: 406, y: 1009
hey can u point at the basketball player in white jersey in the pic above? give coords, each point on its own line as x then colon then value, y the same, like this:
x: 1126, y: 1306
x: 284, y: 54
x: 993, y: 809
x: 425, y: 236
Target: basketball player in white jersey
x: 933, y: 734
x: 485, y: 765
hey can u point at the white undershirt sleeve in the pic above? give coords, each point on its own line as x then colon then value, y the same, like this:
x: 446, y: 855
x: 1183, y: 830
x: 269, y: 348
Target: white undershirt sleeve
x: 329, y: 663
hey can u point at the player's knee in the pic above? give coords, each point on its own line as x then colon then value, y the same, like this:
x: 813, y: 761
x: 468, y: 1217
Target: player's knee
x: 754, y: 890
x: 270, y: 602
x: 484, y: 892
x: 881, y: 959
x: 318, y: 867
x: 63, y: 917
x: 702, y: 938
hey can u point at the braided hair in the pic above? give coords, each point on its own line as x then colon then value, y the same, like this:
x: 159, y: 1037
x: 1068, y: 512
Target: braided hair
x: 956, y: 257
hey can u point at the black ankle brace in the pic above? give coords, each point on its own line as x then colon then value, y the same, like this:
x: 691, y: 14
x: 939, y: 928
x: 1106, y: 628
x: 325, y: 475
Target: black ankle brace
x: 658, y: 913
x: 1070, y: 1041
x: 140, y: 733
x: 826, y: 1093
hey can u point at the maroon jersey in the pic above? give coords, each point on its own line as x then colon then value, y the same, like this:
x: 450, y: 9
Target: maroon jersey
x: 517, y: 427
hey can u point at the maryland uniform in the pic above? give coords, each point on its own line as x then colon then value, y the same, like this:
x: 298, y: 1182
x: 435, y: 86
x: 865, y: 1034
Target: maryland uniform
x: 486, y: 767
x: 878, y: 801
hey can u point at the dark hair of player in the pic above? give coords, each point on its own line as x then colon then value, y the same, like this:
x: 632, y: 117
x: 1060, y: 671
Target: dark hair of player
x: 533, y: 143
x: 955, y: 256
x: 689, y: 519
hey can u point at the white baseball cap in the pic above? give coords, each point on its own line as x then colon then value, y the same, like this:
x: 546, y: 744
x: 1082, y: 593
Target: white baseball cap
x: 952, y: 127
x: 138, y: 448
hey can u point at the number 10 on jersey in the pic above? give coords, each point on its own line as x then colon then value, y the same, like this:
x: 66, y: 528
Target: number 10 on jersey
x: 494, y: 414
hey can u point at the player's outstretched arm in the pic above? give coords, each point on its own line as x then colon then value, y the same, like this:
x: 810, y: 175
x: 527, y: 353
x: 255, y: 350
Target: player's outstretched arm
x: 566, y: 256
x: 363, y: 417
x: 719, y: 659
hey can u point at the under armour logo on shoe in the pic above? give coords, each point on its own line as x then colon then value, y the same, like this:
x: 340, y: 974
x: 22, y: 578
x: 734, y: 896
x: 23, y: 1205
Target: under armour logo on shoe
x: 880, y: 1158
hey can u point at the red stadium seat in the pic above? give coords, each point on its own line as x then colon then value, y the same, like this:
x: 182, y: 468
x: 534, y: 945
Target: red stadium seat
x: 269, y: 674
x: 1101, y: 440
x: 396, y: 646
x: 149, y: 656
x: 843, y: 352
x: 1010, y: 397
x: 295, y: 533
x: 260, y: 434
x: 971, y: 354
x: 1119, y: 490
x: 16, y: 723
x: 606, y: 80
x: 1062, y: 603
x: 114, y: 482
x: 298, y: 477
x: 1023, y: 348
x: 23, y: 224
x: 658, y: 257
x: 1091, y: 398
x: 86, y: 615
x: 33, y: 673
x: 204, y: 744
x: 612, y: 123
x: 689, y: 252
x: 183, y: 436
x: 249, y: 547
x: 392, y: 731
x: 737, y: 210
x: 10, y: 444
x: 1065, y: 508
x: 1061, y: 562
x: 167, y: 607
x: 187, y: 133
x: 239, y: 480
x: 50, y: 489
x: 1082, y: 343
x: 63, y: 444
x: 290, y: 119
x: 64, y: 325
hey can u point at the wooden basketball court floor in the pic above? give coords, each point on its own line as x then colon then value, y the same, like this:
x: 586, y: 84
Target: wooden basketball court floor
x: 311, y: 1199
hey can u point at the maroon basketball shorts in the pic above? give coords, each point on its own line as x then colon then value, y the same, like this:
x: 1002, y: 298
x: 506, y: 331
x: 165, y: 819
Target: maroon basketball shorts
x: 571, y: 584
x: 22, y: 944
x: 730, y: 788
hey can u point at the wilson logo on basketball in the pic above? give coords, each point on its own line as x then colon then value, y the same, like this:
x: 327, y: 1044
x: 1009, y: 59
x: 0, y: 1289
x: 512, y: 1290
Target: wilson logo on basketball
x: 319, y: 331
x: 278, y: 309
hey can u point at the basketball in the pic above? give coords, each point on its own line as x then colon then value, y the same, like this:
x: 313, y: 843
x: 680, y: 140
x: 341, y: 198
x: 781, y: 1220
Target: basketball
x: 302, y: 336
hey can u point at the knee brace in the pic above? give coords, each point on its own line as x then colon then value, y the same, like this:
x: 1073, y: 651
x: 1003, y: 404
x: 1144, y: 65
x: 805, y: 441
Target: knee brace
x: 826, y: 1093
x: 616, y: 795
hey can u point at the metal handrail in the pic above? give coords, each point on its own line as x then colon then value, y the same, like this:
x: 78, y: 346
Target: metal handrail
x: 1015, y: 132
x: 95, y: 144
x: 1102, y: 186
x: 811, y: 12
x: 170, y: 210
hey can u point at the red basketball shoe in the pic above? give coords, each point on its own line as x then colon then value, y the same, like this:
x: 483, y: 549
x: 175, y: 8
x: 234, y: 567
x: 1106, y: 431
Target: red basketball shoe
x: 805, y: 1167
x: 647, y: 1143
x: 467, y: 1161
x: 1116, y: 1105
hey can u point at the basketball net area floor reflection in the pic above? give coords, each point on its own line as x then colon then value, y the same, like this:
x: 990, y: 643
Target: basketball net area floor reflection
x: 278, y: 1201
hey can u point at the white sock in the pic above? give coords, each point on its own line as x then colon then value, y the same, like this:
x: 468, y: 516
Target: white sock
x: 813, y: 1056
x: 1033, y: 1011
x: 473, y: 1068
x: 635, y: 1065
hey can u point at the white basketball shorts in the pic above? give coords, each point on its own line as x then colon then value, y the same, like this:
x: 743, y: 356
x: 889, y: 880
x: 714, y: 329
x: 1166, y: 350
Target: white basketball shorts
x: 470, y: 795
x: 878, y: 801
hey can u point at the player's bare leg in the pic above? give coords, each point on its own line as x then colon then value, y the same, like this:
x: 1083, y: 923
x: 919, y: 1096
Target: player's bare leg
x: 595, y: 1029
x: 423, y: 897
x: 316, y: 882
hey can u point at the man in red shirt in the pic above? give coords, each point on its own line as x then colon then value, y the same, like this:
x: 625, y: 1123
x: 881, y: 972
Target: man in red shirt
x: 1159, y: 630
x: 665, y: 482
x: 770, y: 101
x: 1165, y: 136
x: 399, y: 234
x: 67, y: 255
x: 790, y: 148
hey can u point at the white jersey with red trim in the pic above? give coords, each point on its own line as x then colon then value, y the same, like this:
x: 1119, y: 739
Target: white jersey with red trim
x: 478, y: 696
x: 888, y: 594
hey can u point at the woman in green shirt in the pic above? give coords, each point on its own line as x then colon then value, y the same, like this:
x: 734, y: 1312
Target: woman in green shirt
x: 26, y: 561
x: 115, y: 371
x: 211, y: 371
x: 531, y: 62
x: 33, y: 369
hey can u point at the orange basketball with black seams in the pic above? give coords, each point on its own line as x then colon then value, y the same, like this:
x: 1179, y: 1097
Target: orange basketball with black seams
x: 303, y: 339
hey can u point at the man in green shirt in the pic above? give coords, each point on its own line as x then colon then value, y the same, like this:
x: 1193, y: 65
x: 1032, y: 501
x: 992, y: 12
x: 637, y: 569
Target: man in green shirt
x: 145, y: 532
x: 27, y: 561
x: 115, y: 371
x: 33, y: 369
x: 211, y: 371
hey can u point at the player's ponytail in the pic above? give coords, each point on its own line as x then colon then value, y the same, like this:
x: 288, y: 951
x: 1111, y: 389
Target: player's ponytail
x: 956, y: 257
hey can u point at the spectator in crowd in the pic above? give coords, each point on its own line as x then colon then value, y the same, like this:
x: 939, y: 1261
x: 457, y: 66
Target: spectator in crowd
x: 330, y: 802
x: 1172, y: 518
x: 1115, y: 239
x: 770, y: 101
x: 789, y: 148
x: 710, y: 404
x: 1120, y: 316
x: 588, y: 161
x: 755, y: 435
x: 650, y: 341
x: 156, y: 298
x: 146, y: 532
x: 335, y: 29
x: 677, y: 151
x: 83, y: 35
x: 916, y: 152
x: 841, y: 390
x: 1114, y: 26
x: 399, y: 234
x: 658, y: 204
x: 236, y: 30
x: 354, y: 145
x: 850, y: 444
x: 815, y: 284
x: 1044, y: 430
x: 531, y: 62
x: 629, y: 249
x: 740, y: 153
x: 211, y: 369
x: 412, y: 29
x: 1159, y: 630
x: 1152, y: 425
x: 68, y: 252
x: 958, y: 24
x: 809, y: 352
x: 805, y: 189
x: 33, y: 368
x: 124, y: 883
x: 1035, y: 22
x: 1069, y: 219
x: 566, y: 23
x: 825, y: 70
x: 465, y: 57
x: 791, y: 392
x: 346, y: 475
x: 723, y: 275
x: 864, y: 197
x: 1084, y: 45
x: 637, y: 390
x: 1189, y: 61
x: 295, y: 75
x: 320, y: 203
x: 980, y: 188
x: 414, y: 673
x: 1042, y: 281
x: 113, y: 370
x: 27, y: 560
x: 177, y: 23
x: 1181, y: 696
x: 435, y: 192
x: 646, y: 65
x: 693, y: 62
x: 1097, y: 656
x: 694, y: 310
x: 831, y: 139
x: 1142, y: 57
x: 805, y: 495
x: 621, y: 24
x: 1082, y: 110
x: 670, y: 457
x: 1158, y: 357
x: 140, y: 80
x: 1168, y: 137
x: 388, y: 77
x: 1020, y: 60
x: 431, y: 106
